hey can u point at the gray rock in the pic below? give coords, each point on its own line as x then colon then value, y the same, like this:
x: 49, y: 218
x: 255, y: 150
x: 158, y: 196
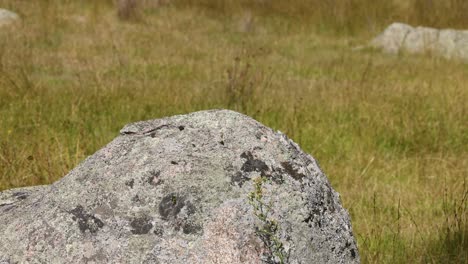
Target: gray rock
x: 449, y: 43
x: 207, y: 187
x: 7, y: 17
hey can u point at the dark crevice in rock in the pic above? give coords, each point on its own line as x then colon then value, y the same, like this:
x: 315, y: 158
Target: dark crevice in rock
x: 21, y: 195
x: 174, y: 163
x: 86, y: 221
x: 309, y: 219
x: 128, y: 133
x: 136, y: 199
x: 7, y: 207
x: 152, y: 132
x: 130, y: 183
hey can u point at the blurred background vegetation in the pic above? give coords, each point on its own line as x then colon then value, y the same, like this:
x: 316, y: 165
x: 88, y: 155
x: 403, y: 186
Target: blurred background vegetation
x: 391, y: 132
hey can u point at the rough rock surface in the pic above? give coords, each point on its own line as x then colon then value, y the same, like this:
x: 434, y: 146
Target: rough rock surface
x: 7, y: 17
x: 207, y: 187
x: 449, y: 43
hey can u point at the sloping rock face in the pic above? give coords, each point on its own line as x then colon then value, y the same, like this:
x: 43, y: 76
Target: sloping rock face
x: 208, y: 187
x: 7, y: 17
x: 449, y: 43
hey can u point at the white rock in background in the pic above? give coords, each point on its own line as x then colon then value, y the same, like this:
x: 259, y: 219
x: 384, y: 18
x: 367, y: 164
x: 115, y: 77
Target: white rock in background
x: 7, y: 17
x: 392, y: 38
x: 449, y: 43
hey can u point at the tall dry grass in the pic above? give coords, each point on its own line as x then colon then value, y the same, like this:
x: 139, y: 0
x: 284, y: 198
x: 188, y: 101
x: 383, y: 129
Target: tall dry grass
x: 345, y: 16
x: 451, y: 13
x: 127, y: 9
x: 390, y: 132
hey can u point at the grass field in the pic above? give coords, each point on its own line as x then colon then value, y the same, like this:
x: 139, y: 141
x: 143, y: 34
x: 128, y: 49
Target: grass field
x: 391, y: 132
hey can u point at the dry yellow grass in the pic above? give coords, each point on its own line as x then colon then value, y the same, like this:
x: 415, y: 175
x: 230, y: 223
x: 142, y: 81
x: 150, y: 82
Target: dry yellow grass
x: 390, y: 132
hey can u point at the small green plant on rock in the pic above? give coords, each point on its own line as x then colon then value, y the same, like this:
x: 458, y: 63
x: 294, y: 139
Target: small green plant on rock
x: 269, y: 230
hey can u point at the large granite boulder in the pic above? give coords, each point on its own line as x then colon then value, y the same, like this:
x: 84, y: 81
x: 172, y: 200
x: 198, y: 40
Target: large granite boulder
x: 207, y: 187
x: 449, y: 43
x: 7, y: 17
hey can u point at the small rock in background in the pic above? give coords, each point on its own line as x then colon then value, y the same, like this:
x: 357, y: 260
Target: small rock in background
x: 7, y: 17
x: 207, y: 187
x: 448, y: 43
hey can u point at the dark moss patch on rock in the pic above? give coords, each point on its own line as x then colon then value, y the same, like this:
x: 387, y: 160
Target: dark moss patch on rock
x: 141, y: 226
x: 189, y: 228
x: 154, y: 178
x: 86, y: 221
x: 251, y: 164
x: 170, y: 206
x: 239, y: 178
x: 291, y: 171
x: 177, y: 210
x: 276, y: 176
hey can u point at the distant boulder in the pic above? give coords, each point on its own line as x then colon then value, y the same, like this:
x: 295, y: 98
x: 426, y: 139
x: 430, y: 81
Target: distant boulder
x: 449, y: 43
x: 207, y: 187
x: 7, y: 17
